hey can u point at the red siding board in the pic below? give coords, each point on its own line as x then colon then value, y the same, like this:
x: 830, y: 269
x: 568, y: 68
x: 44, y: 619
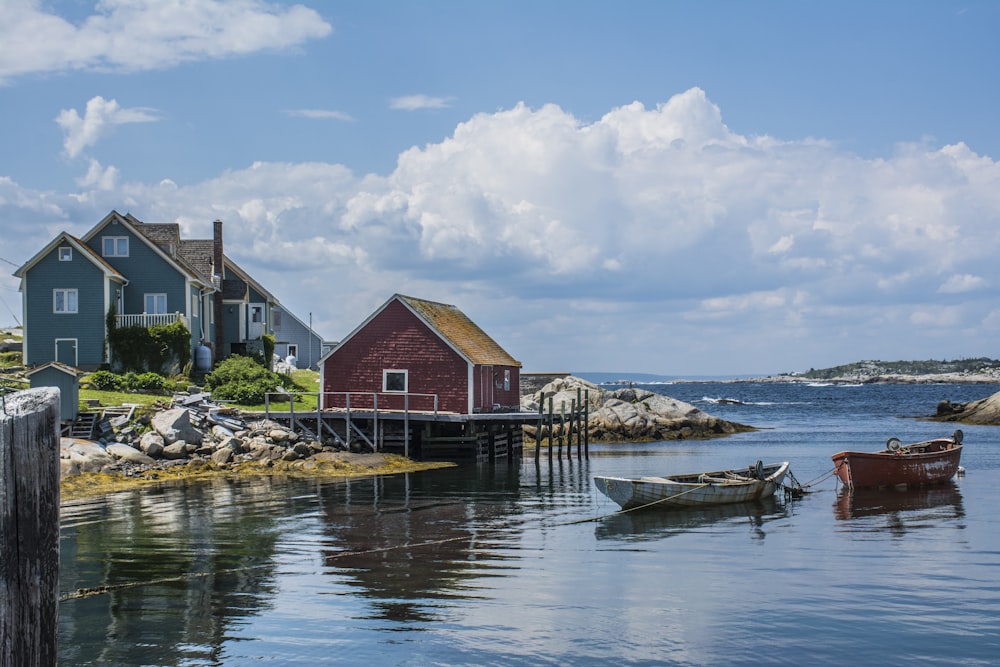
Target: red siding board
x: 397, y: 339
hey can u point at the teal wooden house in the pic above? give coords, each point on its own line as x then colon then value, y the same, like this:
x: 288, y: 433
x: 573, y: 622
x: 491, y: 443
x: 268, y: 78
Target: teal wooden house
x: 147, y: 275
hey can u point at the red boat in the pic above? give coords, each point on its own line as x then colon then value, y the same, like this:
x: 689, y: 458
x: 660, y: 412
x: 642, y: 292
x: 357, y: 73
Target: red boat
x: 916, y: 464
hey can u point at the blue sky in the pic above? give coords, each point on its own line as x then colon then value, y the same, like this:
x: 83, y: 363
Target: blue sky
x: 685, y: 188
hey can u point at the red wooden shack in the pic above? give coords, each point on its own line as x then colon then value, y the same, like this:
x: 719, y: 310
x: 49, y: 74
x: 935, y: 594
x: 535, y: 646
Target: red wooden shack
x: 413, y: 354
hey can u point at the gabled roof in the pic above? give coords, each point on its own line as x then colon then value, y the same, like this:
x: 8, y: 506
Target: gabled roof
x: 454, y: 328
x: 163, y: 239
x: 245, y: 277
x: 57, y: 365
x: 68, y: 239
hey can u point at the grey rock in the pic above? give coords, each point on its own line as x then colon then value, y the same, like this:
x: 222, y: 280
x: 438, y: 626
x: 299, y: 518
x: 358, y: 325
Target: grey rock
x: 175, y: 424
x: 130, y: 454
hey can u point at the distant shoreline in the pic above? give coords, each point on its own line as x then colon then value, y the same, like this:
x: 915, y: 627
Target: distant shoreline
x: 941, y: 378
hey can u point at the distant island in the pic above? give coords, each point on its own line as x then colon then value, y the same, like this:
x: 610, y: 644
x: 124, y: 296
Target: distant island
x: 974, y: 371
x: 979, y: 370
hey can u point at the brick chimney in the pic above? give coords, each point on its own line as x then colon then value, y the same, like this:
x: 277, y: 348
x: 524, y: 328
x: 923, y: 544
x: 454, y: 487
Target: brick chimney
x: 217, y: 273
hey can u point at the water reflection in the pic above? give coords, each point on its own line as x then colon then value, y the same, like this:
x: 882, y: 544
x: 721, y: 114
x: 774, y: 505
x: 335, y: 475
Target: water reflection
x: 181, y: 569
x: 409, y: 541
x: 654, y: 525
x: 178, y: 575
x: 902, y: 509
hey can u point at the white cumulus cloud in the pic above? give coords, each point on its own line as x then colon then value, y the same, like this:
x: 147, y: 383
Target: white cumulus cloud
x: 657, y: 232
x: 99, y: 118
x: 133, y: 35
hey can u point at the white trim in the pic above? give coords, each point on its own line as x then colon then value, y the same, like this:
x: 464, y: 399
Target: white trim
x: 66, y: 291
x: 155, y: 311
x: 385, y: 380
x: 114, y: 246
x: 76, y: 350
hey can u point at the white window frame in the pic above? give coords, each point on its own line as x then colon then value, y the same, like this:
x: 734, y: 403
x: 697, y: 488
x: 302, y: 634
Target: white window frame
x: 387, y: 372
x: 65, y: 253
x: 114, y: 246
x: 195, y: 310
x: 155, y: 297
x: 65, y: 293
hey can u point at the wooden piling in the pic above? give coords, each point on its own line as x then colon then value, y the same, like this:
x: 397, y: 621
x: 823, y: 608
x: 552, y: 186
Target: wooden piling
x: 586, y: 424
x: 29, y: 527
x: 550, y: 430
x: 538, y: 431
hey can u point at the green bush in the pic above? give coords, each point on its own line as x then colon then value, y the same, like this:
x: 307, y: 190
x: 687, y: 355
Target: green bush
x: 105, y: 381
x: 241, y: 380
x: 149, y: 383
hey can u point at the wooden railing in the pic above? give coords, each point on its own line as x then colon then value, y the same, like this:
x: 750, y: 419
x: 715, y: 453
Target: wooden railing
x: 149, y: 320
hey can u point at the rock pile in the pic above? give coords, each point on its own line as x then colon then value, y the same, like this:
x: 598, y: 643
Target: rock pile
x: 172, y: 439
x: 629, y: 414
x: 983, y: 411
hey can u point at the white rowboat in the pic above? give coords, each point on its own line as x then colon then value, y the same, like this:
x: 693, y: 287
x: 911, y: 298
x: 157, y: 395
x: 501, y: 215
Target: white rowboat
x: 718, y: 487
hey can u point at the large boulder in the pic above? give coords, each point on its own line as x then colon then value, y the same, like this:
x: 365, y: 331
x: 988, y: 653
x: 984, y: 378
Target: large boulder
x: 983, y: 411
x: 628, y: 414
x: 174, y: 425
x: 128, y: 453
x: 85, y: 455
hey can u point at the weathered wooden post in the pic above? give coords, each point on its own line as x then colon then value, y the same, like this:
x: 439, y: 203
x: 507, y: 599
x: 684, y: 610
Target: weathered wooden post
x: 538, y: 431
x: 579, y: 422
x: 562, y: 427
x: 572, y: 426
x: 551, y: 421
x: 29, y: 527
x: 586, y: 424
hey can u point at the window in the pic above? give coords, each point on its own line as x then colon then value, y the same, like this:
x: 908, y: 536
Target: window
x: 194, y: 305
x: 276, y: 318
x: 394, y: 380
x: 156, y: 304
x: 64, y: 301
x: 115, y: 246
x: 506, y: 380
x: 65, y: 254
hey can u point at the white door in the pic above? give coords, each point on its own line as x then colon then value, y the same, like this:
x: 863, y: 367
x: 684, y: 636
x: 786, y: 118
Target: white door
x: 255, y: 328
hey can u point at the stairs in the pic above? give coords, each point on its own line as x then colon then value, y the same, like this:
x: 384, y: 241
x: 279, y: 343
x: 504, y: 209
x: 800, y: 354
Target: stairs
x: 83, y: 427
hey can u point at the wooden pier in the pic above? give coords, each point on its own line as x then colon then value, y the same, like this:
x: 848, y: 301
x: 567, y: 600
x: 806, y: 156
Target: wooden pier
x: 433, y: 435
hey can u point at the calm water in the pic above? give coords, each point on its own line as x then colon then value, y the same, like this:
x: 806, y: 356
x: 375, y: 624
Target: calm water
x: 530, y: 566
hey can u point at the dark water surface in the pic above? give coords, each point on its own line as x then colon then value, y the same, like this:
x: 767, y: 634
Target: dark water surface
x: 504, y: 566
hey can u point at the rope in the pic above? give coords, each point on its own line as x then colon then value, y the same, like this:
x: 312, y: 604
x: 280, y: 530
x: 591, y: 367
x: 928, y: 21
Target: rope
x: 821, y: 478
x: 632, y: 509
x: 101, y: 590
x: 81, y: 593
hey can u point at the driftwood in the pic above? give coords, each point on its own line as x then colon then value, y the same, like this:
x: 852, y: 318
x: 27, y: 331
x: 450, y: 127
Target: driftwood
x: 29, y: 527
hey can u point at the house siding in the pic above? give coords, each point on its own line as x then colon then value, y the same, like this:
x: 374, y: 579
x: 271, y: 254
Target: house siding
x: 396, y: 339
x: 148, y: 272
x: 290, y: 331
x: 488, y: 388
x: 44, y: 326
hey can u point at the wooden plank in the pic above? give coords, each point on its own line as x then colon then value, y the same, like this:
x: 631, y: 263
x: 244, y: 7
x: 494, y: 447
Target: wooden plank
x: 29, y: 527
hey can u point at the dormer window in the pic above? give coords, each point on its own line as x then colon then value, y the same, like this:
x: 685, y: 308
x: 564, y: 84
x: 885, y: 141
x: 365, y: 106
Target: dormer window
x: 114, y: 246
x: 65, y: 254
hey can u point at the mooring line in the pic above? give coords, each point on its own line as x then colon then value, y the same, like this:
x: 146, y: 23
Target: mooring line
x: 632, y: 509
x: 101, y: 590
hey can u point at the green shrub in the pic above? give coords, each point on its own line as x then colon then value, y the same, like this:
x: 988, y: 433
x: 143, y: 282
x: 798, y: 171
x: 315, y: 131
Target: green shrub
x: 148, y: 383
x: 241, y: 380
x: 105, y: 381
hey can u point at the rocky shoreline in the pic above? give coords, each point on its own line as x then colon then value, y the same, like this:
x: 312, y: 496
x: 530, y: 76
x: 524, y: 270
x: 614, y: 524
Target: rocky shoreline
x: 168, y: 445
x: 628, y: 414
